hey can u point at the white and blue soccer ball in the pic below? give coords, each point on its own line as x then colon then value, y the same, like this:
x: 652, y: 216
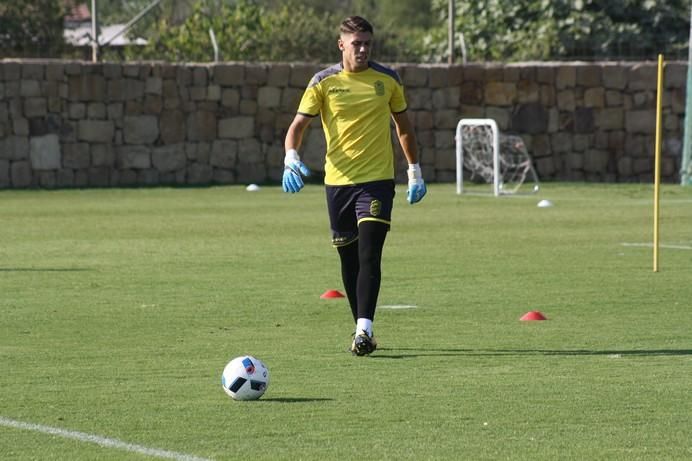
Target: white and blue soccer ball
x: 245, y: 378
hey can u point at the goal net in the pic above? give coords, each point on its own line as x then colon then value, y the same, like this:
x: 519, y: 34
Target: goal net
x: 494, y: 158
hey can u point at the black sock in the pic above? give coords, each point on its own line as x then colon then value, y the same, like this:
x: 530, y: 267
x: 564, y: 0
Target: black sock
x: 349, y: 274
x: 370, y: 243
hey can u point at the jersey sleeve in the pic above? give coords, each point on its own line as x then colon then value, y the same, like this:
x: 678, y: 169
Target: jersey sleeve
x: 397, y: 103
x: 311, y: 102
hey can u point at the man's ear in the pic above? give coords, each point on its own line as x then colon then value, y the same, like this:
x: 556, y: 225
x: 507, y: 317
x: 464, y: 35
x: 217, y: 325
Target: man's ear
x: 340, y: 43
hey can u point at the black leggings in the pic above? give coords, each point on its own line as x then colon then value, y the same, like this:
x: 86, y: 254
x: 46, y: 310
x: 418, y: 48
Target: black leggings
x: 361, y: 268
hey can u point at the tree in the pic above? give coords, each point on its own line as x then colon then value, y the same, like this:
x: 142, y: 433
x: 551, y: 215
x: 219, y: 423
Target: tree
x: 288, y: 30
x: 121, y: 11
x: 32, y: 27
x: 563, y: 29
x: 405, y: 30
x: 245, y: 30
x: 629, y: 28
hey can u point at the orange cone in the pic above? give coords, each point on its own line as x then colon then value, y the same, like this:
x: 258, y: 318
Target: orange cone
x: 330, y: 294
x: 533, y: 315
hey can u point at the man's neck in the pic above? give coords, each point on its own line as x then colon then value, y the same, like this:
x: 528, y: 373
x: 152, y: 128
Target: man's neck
x: 353, y: 69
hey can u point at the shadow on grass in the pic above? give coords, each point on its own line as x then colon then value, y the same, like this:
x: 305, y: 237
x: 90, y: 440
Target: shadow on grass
x: 45, y: 269
x: 295, y: 400
x: 404, y: 353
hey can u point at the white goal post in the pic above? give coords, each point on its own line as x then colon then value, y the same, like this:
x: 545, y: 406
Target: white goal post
x: 498, y: 159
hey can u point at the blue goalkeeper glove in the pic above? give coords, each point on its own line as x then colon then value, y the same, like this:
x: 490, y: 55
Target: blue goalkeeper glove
x: 293, y: 170
x: 416, y: 185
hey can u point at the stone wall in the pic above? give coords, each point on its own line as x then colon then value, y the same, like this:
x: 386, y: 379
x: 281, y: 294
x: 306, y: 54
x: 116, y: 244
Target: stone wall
x: 78, y: 124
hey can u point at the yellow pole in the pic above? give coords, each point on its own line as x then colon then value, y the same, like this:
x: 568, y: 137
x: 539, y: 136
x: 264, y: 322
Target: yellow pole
x: 657, y: 161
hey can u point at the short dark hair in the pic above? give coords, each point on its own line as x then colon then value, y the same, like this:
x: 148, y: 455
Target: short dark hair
x: 355, y: 24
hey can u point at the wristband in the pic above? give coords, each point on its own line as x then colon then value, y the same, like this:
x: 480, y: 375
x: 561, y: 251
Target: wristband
x: 414, y: 172
x: 291, y: 156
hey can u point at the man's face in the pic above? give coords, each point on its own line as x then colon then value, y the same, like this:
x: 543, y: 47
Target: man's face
x: 355, y: 49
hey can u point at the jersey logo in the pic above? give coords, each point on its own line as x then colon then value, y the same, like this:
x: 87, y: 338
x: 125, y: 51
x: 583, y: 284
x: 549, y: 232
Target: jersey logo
x: 336, y: 90
x: 379, y: 88
x: 375, y: 207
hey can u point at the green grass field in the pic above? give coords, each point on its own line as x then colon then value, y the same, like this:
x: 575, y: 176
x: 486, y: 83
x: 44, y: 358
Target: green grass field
x: 120, y: 308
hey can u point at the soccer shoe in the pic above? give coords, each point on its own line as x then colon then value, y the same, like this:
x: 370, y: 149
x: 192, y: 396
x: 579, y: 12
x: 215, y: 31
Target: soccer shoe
x: 363, y: 344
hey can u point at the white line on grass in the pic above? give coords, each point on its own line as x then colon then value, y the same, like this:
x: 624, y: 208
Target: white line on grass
x: 98, y: 440
x: 650, y: 245
x: 398, y: 306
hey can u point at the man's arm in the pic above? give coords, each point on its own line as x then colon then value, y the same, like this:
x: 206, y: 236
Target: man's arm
x: 294, y: 169
x: 294, y: 136
x: 407, y: 139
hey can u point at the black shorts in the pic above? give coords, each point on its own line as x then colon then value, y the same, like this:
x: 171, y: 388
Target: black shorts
x: 350, y: 205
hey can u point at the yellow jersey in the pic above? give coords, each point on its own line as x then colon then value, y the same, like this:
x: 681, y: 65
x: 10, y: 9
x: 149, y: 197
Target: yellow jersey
x: 355, y: 108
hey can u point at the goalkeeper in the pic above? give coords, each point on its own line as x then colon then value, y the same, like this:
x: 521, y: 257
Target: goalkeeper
x: 356, y: 99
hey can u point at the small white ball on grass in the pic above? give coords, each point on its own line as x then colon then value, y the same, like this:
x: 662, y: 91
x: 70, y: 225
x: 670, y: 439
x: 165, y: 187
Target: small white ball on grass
x: 252, y: 188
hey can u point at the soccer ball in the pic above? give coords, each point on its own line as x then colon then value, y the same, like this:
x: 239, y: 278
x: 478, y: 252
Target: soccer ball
x: 245, y: 378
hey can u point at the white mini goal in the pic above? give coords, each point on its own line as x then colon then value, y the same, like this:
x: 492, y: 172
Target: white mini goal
x: 495, y: 158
